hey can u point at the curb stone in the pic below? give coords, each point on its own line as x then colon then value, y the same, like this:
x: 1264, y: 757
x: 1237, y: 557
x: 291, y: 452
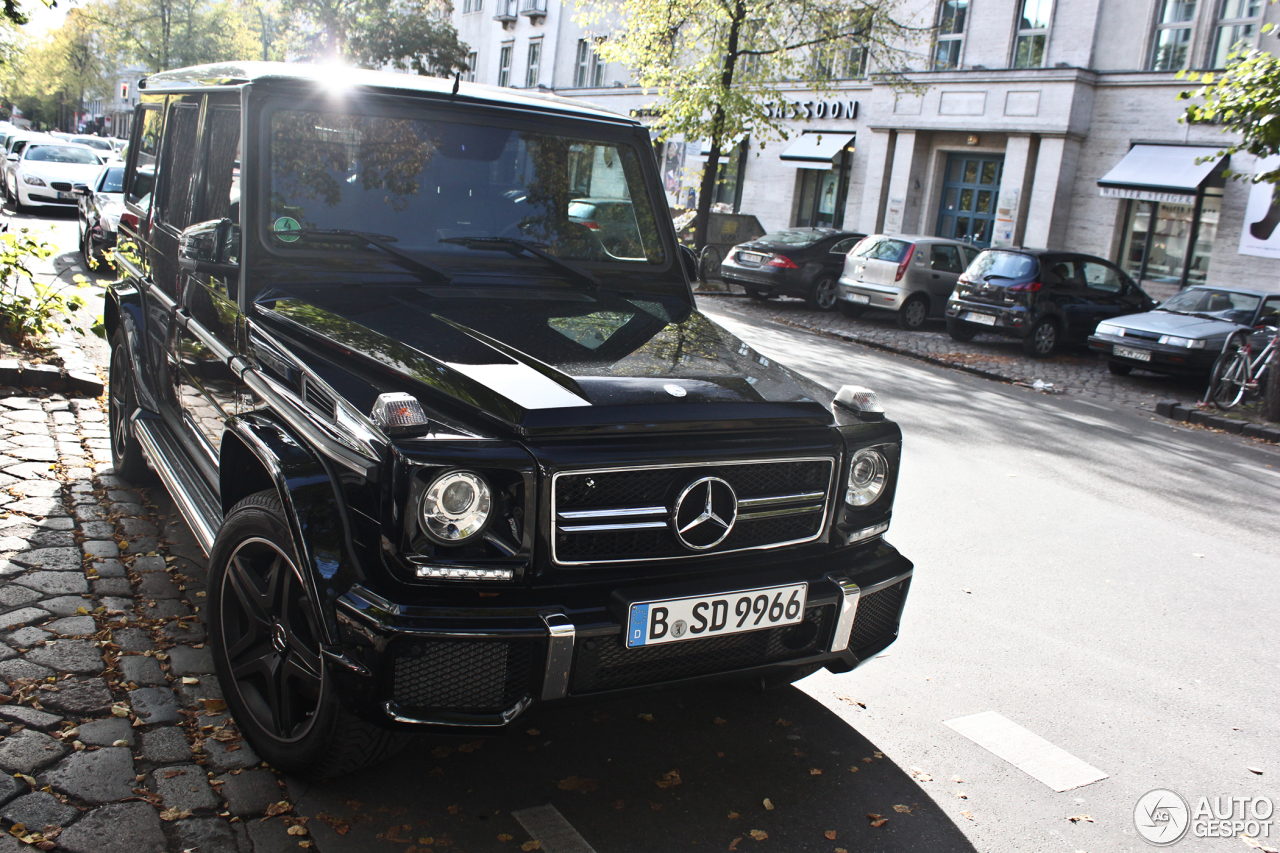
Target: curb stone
x: 1176, y: 411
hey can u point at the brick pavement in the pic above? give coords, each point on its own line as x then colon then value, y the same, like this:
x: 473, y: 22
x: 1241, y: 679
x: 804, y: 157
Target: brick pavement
x: 111, y: 722
x: 1073, y: 371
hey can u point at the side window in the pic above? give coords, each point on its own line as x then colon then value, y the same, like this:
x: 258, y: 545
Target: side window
x: 946, y: 259
x: 177, y: 163
x: 843, y: 247
x: 1270, y: 315
x: 1103, y: 278
x: 144, y: 149
x: 1058, y: 271
x: 221, y: 196
x: 969, y: 255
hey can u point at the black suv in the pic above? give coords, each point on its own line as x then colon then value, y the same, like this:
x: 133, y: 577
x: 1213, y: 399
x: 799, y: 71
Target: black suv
x: 1042, y: 297
x: 450, y: 456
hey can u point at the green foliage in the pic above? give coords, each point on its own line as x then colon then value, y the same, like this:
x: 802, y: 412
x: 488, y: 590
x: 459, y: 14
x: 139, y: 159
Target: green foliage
x: 64, y: 69
x: 1243, y: 99
x: 30, y: 308
x: 408, y: 34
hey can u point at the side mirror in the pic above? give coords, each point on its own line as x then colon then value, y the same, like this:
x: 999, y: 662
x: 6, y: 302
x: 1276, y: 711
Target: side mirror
x: 210, y: 248
x: 80, y: 189
x: 12, y: 158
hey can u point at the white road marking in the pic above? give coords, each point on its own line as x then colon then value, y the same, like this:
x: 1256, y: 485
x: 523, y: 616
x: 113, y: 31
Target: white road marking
x: 547, y: 825
x: 1029, y: 752
x: 1094, y: 405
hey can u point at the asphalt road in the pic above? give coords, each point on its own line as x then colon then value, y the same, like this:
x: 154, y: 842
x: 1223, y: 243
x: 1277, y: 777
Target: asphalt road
x: 1098, y: 576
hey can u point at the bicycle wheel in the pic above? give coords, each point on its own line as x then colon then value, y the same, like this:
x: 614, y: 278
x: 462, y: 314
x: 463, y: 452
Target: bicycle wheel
x: 1230, y: 375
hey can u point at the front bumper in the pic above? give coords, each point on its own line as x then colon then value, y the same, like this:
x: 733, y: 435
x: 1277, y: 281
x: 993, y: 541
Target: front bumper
x: 885, y: 296
x: 1162, y: 358
x: 457, y: 669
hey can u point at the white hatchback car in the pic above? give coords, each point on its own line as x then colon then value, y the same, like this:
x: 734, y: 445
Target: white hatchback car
x: 46, y: 173
x: 911, y: 276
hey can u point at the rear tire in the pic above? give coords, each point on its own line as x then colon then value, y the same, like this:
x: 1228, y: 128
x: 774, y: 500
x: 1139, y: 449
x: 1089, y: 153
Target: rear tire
x: 824, y: 294
x: 913, y: 313
x: 265, y: 635
x: 1118, y: 369
x: 1043, y: 340
x: 126, y: 453
x: 1226, y: 380
x: 960, y: 331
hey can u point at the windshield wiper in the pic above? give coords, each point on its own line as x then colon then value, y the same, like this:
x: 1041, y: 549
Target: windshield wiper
x: 398, y: 256
x: 532, y: 248
x: 997, y: 275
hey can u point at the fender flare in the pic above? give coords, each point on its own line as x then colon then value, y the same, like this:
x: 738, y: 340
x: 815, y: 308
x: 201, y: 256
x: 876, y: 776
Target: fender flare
x: 314, y: 505
x: 124, y: 308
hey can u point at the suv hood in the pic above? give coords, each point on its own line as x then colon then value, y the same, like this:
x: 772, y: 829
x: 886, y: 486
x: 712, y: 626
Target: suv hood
x: 1182, y: 325
x: 540, y: 362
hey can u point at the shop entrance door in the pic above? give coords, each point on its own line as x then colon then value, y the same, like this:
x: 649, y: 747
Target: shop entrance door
x: 968, y: 209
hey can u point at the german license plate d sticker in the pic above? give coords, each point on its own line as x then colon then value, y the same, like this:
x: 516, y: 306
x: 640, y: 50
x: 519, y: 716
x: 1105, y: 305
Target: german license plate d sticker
x: 674, y: 620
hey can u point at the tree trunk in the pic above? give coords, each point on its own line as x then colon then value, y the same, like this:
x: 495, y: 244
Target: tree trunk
x: 707, y: 194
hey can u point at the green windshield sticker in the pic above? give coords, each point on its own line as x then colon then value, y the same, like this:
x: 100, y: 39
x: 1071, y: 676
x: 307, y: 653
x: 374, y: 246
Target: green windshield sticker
x: 287, y: 228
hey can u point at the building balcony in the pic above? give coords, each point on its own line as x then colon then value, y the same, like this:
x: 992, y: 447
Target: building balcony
x: 505, y: 11
x: 534, y: 9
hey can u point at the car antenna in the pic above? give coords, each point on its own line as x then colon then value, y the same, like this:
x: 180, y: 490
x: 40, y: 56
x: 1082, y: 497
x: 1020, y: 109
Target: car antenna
x: 457, y: 81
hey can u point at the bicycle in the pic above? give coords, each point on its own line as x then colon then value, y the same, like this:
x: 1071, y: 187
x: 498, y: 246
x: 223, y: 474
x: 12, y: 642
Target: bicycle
x: 1237, y: 373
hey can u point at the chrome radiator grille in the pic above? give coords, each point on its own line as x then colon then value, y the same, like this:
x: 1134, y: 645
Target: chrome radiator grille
x: 627, y: 515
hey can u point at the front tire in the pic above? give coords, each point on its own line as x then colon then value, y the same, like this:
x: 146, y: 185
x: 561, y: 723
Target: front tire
x: 1227, y: 379
x: 913, y: 313
x: 265, y: 633
x: 122, y: 401
x: 824, y: 294
x: 1118, y: 369
x: 1043, y: 340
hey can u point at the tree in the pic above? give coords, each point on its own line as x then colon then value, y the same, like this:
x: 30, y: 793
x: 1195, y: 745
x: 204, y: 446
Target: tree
x: 60, y: 72
x: 407, y: 34
x: 164, y: 34
x: 716, y: 64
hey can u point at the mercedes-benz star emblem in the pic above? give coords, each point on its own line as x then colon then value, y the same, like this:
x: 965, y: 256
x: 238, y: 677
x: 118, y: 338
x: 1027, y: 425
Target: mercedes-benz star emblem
x: 705, y: 513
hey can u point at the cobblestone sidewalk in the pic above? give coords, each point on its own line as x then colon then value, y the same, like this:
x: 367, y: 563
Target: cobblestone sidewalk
x: 1075, y: 371
x: 111, y: 723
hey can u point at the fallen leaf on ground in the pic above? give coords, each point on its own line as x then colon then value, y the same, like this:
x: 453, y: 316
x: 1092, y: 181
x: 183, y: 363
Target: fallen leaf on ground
x: 1254, y: 770
x: 768, y: 804
x: 830, y: 835
x: 297, y: 829
x: 719, y: 721
x: 734, y: 815
x: 853, y: 769
x: 175, y: 814
x: 1079, y: 817
x: 920, y: 775
x: 119, y: 711
x: 669, y: 779
x: 782, y: 722
x: 962, y: 795
x: 878, y: 754
x: 648, y: 718
x: 471, y: 747
x: 442, y: 751
x: 733, y: 845
x: 574, y: 783
x: 531, y: 845
x: 956, y: 779
x: 966, y: 591
x: 188, y: 679
x: 815, y: 771
x: 657, y: 807
x: 902, y: 809
x: 213, y: 706
x: 502, y: 836
x: 879, y: 822
x: 279, y: 808
x: 969, y: 815
x: 454, y: 809
x: 758, y: 834
x: 533, y: 732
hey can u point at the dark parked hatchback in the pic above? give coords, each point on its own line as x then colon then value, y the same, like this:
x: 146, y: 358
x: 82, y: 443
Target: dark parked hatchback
x: 1042, y: 297
x: 803, y: 262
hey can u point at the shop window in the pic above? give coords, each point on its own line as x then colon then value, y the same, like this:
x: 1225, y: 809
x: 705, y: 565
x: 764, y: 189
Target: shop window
x: 1033, y: 32
x: 535, y: 59
x: 504, y: 65
x: 1171, y: 46
x: 1238, y: 22
x: 1179, y: 243
x: 817, y: 207
x: 950, y: 38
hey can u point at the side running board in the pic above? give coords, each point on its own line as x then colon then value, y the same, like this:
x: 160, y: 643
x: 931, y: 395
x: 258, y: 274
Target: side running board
x: 198, y: 504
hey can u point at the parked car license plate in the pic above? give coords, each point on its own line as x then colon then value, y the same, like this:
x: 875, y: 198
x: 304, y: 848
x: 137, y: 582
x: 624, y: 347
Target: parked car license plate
x: 1135, y: 354
x: 858, y: 297
x: 673, y: 620
x: 66, y: 195
x: 984, y: 319
x: 750, y: 257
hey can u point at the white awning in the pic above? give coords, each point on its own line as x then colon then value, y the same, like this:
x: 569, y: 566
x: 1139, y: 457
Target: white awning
x: 1161, y: 173
x: 818, y: 147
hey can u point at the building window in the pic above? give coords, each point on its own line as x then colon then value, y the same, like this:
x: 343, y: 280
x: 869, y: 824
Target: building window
x: 535, y: 58
x: 1171, y: 46
x: 1033, y: 32
x: 1237, y: 22
x: 473, y: 59
x: 950, y: 38
x: 590, y: 69
x: 840, y: 63
x: 1180, y: 241
x: 469, y: 6
x: 504, y: 66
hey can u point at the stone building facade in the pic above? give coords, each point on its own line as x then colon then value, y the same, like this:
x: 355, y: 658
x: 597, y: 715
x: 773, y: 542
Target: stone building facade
x: 1028, y: 105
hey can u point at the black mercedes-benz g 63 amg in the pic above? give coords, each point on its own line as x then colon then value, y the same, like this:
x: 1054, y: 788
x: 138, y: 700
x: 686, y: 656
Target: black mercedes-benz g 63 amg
x: 452, y: 455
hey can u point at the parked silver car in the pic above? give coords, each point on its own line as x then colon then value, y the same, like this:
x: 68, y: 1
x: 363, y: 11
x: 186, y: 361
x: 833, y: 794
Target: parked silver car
x: 910, y: 275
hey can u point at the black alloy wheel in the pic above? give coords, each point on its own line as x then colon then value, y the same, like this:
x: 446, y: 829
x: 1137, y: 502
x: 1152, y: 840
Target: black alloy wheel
x: 122, y: 401
x: 913, y: 313
x: 824, y: 294
x: 1117, y: 368
x: 1043, y: 340
x: 960, y: 331
x: 266, y: 633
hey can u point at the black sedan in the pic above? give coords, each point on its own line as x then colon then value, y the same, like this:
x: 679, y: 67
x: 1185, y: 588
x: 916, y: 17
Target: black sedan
x: 803, y: 262
x: 101, y: 203
x: 1186, y: 333
x: 1042, y: 297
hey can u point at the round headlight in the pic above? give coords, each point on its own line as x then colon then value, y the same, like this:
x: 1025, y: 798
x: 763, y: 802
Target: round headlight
x: 456, y: 507
x: 868, y: 473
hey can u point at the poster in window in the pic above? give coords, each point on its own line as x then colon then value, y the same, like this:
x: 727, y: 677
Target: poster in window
x: 1260, y: 235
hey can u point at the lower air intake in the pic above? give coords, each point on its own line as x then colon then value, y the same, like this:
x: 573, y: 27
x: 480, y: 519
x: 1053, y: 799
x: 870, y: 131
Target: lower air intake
x: 462, y: 675
x: 878, y: 615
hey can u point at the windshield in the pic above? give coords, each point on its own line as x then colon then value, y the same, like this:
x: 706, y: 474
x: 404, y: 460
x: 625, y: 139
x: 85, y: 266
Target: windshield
x: 94, y: 142
x: 451, y: 191
x: 62, y: 154
x: 800, y: 239
x: 1011, y: 265
x: 112, y: 180
x: 881, y: 249
x: 1223, y: 304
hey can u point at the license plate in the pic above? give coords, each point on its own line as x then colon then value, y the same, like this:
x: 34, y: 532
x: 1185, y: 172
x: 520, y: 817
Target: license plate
x: 858, y: 297
x: 1135, y: 354
x: 984, y: 319
x: 750, y: 257
x: 651, y: 623
x: 66, y: 195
